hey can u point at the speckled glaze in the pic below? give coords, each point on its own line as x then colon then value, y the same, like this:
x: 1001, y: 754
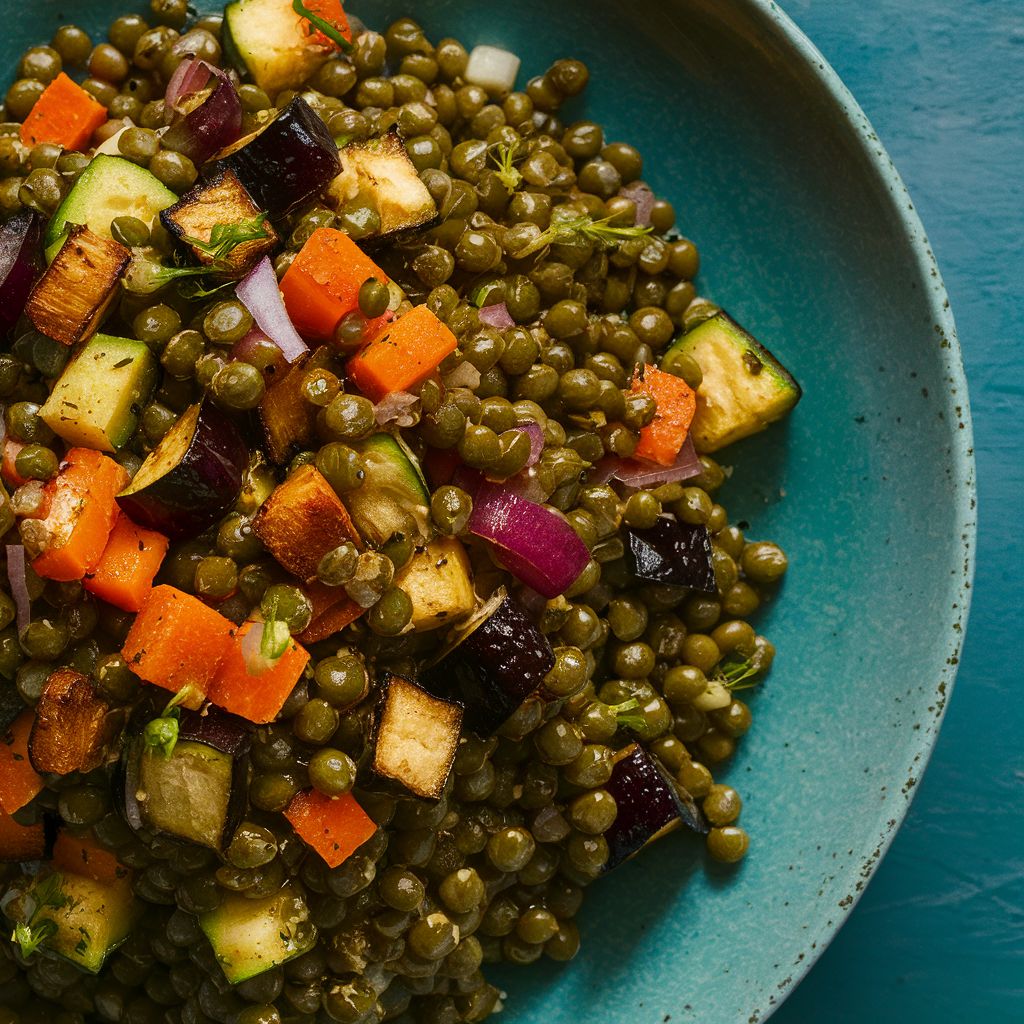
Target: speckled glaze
x: 809, y: 239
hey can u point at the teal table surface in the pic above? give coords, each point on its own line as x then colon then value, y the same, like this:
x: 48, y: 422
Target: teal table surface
x: 939, y: 935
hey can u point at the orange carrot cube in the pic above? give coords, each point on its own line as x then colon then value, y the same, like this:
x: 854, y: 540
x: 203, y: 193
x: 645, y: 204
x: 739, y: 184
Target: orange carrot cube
x: 19, y: 781
x: 257, y: 697
x: 322, y: 284
x: 176, y: 642
x: 404, y: 356
x: 83, y: 855
x: 333, y: 610
x: 20, y: 842
x: 126, y: 569
x: 662, y: 438
x: 333, y: 826
x: 65, y: 115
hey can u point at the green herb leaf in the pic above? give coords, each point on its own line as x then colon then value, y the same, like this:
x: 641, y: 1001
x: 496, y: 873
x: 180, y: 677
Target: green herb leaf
x: 161, y: 736
x: 226, y: 237
x: 30, y: 937
x: 274, y: 641
x: 569, y: 229
x: 504, y: 157
x: 49, y: 893
x: 331, y: 31
x: 738, y: 673
x: 46, y: 894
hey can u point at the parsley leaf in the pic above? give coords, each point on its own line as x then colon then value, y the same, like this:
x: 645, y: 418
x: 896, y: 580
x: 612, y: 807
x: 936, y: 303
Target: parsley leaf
x: 571, y: 228
x: 47, y: 894
x: 316, y: 22
x: 504, y: 157
x: 226, y: 237
x: 738, y: 674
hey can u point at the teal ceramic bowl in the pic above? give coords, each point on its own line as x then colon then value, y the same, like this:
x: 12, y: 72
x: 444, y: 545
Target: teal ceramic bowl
x: 809, y: 238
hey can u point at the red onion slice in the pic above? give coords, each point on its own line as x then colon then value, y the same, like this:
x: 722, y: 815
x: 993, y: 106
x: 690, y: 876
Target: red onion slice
x: 496, y: 316
x: 19, y: 584
x: 643, y: 197
x: 189, y: 76
x: 206, y: 129
x: 534, y: 543
x: 259, y: 293
x: 639, y: 473
x: 536, y: 434
x: 527, y: 484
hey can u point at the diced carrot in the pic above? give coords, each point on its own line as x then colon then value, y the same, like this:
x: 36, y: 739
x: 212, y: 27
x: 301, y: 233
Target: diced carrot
x: 322, y: 284
x: 256, y: 697
x: 9, y: 471
x: 65, y: 114
x: 302, y: 520
x: 404, y: 356
x: 83, y: 855
x: 333, y: 826
x: 130, y: 561
x: 19, y: 781
x: 20, y: 842
x: 333, y: 610
x: 176, y: 641
x: 662, y: 438
x: 331, y: 11
x: 70, y: 540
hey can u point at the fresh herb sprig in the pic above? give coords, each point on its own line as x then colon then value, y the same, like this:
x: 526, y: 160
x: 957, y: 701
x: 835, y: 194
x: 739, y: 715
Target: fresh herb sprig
x: 328, y: 28
x: 276, y: 635
x: 225, y: 238
x: 45, y: 895
x: 738, y: 674
x: 160, y: 735
x: 571, y: 229
x: 504, y: 157
x: 624, y: 714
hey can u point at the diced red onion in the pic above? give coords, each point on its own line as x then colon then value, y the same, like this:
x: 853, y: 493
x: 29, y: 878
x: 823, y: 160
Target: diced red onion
x: 643, y: 197
x: 639, y: 473
x: 201, y: 132
x: 19, y: 584
x: 496, y: 316
x: 398, y: 408
x: 536, y: 434
x: 189, y: 76
x: 259, y: 293
x: 527, y: 484
x: 465, y: 375
x: 534, y: 543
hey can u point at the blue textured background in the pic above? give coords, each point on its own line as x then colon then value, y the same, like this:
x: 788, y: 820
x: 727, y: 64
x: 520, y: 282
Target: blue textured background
x: 939, y: 935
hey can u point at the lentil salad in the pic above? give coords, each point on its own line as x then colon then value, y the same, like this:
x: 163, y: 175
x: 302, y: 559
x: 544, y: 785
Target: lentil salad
x: 367, y: 594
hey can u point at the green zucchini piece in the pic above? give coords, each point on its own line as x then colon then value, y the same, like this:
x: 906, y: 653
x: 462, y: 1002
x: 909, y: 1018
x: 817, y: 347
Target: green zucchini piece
x: 97, y: 400
x: 744, y: 389
x: 394, y: 497
x: 250, y: 936
x: 109, y: 187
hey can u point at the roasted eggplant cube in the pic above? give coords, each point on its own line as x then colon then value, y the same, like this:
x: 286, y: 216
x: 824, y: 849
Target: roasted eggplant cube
x: 250, y: 936
x: 222, y: 200
x: 416, y: 737
x: 649, y: 805
x: 494, y: 662
x: 672, y: 552
x: 73, y: 725
x: 191, y: 478
x: 302, y: 520
x: 70, y: 299
x: 438, y: 580
x: 378, y: 175
x: 20, y: 261
x: 197, y: 793
x: 289, y: 421
x: 287, y: 162
x: 745, y: 388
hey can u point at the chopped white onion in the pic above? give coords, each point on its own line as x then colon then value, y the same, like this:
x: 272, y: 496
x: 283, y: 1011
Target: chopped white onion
x: 492, y: 69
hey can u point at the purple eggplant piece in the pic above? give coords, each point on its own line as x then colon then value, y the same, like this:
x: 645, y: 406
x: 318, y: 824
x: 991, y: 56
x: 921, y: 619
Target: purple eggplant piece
x: 287, y: 163
x: 672, y: 552
x: 20, y: 263
x: 11, y: 705
x: 213, y: 125
x: 496, y: 662
x: 218, y: 729
x: 649, y: 805
x: 192, y: 477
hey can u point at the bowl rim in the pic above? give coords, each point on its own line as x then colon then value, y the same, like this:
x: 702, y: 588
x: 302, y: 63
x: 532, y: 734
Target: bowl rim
x: 794, y: 43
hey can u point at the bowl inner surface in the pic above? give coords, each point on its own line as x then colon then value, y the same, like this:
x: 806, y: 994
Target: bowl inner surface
x: 809, y: 240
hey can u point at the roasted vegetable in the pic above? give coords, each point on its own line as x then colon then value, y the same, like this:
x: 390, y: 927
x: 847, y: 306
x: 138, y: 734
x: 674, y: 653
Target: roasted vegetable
x: 333, y: 826
x: 289, y: 422
x: 302, y: 520
x: 20, y: 262
x: 73, y: 727
x: 191, y: 478
x: 19, y: 843
x: 70, y: 300
x: 96, y: 401
x: 250, y: 936
x: 125, y: 572
x: 415, y: 738
x: 438, y: 580
x: 65, y: 115
x: 19, y: 781
x: 286, y: 162
x: 649, y: 805
x: 671, y: 552
x: 378, y: 175
x: 493, y: 662
x: 207, y: 213
x: 744, y: 387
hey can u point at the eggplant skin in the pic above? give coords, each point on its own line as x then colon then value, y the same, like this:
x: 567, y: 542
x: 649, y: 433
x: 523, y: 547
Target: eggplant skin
x: 289, y: 162
x: 649, y: 805
x: 217, y: 729
x: 493, y: 669
x: 192, y: 477
x: 672, y: 552
x: 20, y: 262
